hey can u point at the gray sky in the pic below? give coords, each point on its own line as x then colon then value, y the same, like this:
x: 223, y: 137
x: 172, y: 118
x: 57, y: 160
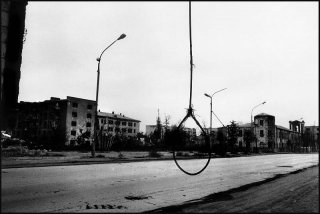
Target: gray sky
x: 259, y: 51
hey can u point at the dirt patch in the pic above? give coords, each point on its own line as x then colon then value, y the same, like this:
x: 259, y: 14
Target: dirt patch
x: 296, y: 192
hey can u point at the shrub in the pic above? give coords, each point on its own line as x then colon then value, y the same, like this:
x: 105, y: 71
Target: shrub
x: 154, y: 153
x: 101, y: 156
x: 179, y: 153
x: 120, y: 155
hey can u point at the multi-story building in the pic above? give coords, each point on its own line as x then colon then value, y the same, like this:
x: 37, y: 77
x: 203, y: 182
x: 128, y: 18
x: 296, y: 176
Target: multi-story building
x: 80, y: 118
x: 118, y: 123
x: 313, y: 131
x: 13, y: 35
x: 72, y: 116
x: 112, y: 124
x: 272, y: 137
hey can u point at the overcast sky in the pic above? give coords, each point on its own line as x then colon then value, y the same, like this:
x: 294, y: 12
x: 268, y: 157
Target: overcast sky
x: 259, y: 51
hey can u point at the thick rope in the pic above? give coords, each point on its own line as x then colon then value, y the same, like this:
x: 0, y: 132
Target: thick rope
x: 190, y: 111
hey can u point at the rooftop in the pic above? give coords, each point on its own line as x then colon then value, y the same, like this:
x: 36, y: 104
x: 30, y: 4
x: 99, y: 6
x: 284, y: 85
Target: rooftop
x: 116, y: 116
x: 264, y: 114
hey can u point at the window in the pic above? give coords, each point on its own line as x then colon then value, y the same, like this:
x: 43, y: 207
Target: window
x: 110, y: 129
x: 124, y: 123
x: 240, y: 133
x: 117, y: 123
x: 44, y: 132
x: 88, y: 125
x: 74, y: 114
x: 117, y: 129
x: 124, y: 130
x: 101, y: 121
x: 75, y: 105
x: 44, y: 124
x: 129, y: 130
x: 89, y: 107
x: 89, y: 116
x: 134, y: 124
x: 130, y: 124
x: 261, y: 122
x: 73, y: 133
x: 73, y: 123
x: 269, y: 133
x: 110, y: 122
x: 261, y: 133
x: 134, y: 130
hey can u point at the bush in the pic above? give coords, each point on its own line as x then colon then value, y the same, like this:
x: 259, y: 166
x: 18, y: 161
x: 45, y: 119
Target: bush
x: 179, y: 153
x: 120, y: 155
x: 14, y: 151
x: 154, y: 154
x: 220, y: 149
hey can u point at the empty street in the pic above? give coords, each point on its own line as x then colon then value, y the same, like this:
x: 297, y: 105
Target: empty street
x: 136, y: 186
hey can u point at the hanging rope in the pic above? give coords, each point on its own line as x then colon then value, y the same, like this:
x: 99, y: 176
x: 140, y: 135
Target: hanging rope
x: 190, y: 111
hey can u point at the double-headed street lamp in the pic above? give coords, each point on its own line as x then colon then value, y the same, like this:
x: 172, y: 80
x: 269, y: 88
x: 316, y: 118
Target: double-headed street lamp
x: 254, y: 133
x: 96, y: 124
x: 211, y: 109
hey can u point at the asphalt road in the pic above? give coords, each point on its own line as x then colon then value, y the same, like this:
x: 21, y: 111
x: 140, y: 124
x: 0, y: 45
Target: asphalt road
x: 296, y: 192
x: 137, y: 186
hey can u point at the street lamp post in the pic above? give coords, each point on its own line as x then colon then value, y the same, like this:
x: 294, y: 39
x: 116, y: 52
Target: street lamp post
x: 96, y: 124
x: 211, y: 109
x: 254, y: 133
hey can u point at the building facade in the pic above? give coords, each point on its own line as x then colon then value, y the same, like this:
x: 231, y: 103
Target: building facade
x: 111, y: 124
x: 118, y: 123
x: 13, y: 34
x: 272, y: 137
x: 80, y: 118
x: 41, y: 120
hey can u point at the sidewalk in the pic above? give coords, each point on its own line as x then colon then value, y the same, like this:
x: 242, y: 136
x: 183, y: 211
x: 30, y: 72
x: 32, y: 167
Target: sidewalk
x: 81, y: 158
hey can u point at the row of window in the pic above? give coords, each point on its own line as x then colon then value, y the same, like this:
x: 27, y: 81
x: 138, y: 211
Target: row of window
x: 240, y: 133
x: 74, y: 132
x: 75, y: 105
x: 74, y: 123
x: 110, y: 129
x: 117, y: 122
x: 262, y: 121
x: 75, y: 114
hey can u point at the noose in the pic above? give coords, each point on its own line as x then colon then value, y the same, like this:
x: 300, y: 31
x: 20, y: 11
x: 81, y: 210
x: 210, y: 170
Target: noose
x: 190, y: 111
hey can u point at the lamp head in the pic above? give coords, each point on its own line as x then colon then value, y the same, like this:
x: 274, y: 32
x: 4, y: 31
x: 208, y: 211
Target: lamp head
x: 264, y: 102
x: 122, y: 36
x: 207, y: 95
x: 98, y: 59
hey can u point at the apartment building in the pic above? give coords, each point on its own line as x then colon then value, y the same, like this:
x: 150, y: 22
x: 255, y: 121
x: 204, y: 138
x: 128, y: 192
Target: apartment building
x: 111, y: 124
x: 80, y: 118
x: 272, y: 137
x: 118, y: 123
x: 40, y: 120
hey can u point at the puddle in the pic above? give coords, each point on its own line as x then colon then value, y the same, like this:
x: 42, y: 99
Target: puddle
x: 133, y: 198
